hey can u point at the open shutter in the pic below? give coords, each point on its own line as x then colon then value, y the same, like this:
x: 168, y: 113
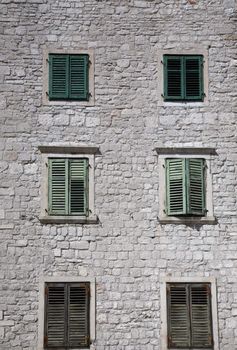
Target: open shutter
x: 55, y: 316
x: 58, y: 76
x: 79, y: 66
x: 173, y: 78
x: 78, y: 319
x: 58, y: 186
x: 195, y: 186
x: 201, y: 316
x: 178, y: 316
x: 78, y: 186
x: 193, y: 68
x: 175, y: 187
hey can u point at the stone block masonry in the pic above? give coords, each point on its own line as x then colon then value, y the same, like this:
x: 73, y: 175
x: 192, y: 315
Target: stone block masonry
x: 128, y: 251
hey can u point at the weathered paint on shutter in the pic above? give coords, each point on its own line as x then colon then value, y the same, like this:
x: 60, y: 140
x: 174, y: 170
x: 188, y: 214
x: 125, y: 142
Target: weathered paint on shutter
x: 78, y: 186
x: 178, y: 316
x: 201, y: 328
x: 193, y: 80
x: 58, y: 197
x: 78, y: 319
x: 58, y: 76
x: 195, y: 186
x: 55, y: 316
x: 173, y: 78
x: 78, y: 76
x: 175, y: 187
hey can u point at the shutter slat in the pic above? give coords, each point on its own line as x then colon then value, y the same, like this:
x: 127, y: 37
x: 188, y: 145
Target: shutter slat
x: 195, y: 190
x: 79, y: 316
x: 57, y: 186
x: 175, y: 183
x: 201, y: 317
x: 55, y: 328
x: 78, y: 186
x: 58, y: 77
x: 79, y: 77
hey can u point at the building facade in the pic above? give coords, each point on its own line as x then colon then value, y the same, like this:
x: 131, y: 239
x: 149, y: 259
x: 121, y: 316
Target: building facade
x: 118, y: 175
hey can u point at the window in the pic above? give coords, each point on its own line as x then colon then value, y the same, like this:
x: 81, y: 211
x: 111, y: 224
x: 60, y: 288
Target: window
x: 185, y: 185
x: 67, y: 322
x: 68, y: 77
x: 183, y: 78
x: 66, y: 313
x: 189, y: 313
x: 68, y: 184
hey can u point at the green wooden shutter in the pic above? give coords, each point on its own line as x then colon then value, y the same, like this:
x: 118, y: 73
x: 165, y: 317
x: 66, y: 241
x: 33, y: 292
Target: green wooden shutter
x: 58, y: 76
x: 55, y: 316
x: 193, y: 70
x: 175, y: 187
x: 178, y: 316
x: 173, y: 78
x: 58, y: 197
x: 79, y: 67
x: 195, y: 186
x: 78, y: 315
x: 200, y: 296
x: 78, y: 187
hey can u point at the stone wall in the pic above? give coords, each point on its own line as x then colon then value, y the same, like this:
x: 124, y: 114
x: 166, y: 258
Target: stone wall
x: 129, y: 251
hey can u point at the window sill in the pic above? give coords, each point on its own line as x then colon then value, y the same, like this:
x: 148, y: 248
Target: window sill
x: 207, y: 220
x: 183, y: 103
x: 92, y: 219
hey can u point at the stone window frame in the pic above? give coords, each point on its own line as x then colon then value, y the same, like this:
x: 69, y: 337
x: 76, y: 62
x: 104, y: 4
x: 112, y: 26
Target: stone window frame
x: 65, y: 279
x: 67, y: 151
x: 163, y: 306
x: 196, y: 51
x: 185, y: 152
x: 51, y: 50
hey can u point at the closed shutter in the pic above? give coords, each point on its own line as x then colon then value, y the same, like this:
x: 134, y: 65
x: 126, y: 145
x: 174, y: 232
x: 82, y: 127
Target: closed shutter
x: 78, y: 321
x: 175, y: 187
x: 58, y: 186
x: 55, y: 316
x: 78, y: 186
x: 58, y: 77
x: 173, y: 78
x: 195, y: 186
x: 68, y: 186
x: 67, y: 314
x: 178, y: 316
x: 200, y: 296
x: 189, y: 316
x: 78, y: 77
x: 193, y: 68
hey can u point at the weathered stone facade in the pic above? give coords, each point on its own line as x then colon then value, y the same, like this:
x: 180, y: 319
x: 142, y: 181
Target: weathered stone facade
x: 128, y: 251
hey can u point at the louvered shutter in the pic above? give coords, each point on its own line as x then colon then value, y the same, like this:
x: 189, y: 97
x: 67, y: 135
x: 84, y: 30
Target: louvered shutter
x: 195, y: 186
x: 58, y: 186
x: 201, y: 316
x: 178, y: 316
x: 175, y: 187
x: 78, y: 186
x: 173, y: 78
x: 58, y: 76
x: 78, y: 319
x: 55, y: 316
x: 193, y: 68
x: 79, y: 65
